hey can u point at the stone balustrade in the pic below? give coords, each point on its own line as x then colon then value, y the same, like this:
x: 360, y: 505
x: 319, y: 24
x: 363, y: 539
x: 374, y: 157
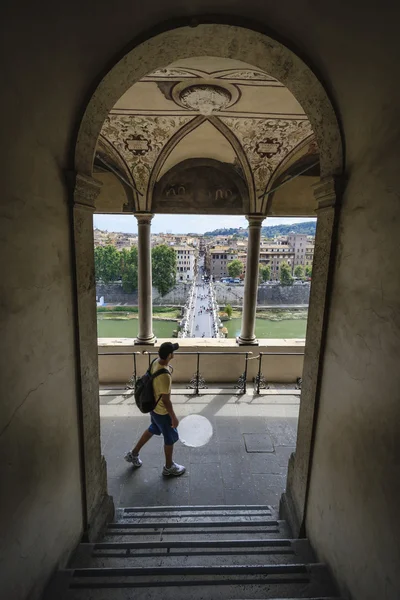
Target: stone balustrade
x: 282, y: 367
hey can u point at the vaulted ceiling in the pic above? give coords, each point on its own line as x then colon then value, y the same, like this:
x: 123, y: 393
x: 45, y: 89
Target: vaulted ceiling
x: 206, y: 108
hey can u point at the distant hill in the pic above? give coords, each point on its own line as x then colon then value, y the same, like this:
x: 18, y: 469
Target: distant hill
x: 307, y: 227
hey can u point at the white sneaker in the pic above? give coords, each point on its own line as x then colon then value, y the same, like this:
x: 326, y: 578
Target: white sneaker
x: 174, y: 470
x: 134, y: 459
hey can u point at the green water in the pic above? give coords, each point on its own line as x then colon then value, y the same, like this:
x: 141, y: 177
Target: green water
x: 288, y: 328
x: 129, y: 328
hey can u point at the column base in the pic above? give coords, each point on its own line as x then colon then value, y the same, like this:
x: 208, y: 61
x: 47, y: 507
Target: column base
x: 247, y: 341
x: 145, y: 341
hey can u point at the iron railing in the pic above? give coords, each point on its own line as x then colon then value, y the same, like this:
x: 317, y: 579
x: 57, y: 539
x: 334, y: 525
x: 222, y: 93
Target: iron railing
x: 197, y: 382
x: 260, y: 381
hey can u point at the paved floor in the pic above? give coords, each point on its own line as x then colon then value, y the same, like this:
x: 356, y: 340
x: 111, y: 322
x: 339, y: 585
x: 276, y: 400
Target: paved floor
x: 244, y: 463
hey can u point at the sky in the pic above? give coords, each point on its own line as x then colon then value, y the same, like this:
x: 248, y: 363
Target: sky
x: 183, y: 223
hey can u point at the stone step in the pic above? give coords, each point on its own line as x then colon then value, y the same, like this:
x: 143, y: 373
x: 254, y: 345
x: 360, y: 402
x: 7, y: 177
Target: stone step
x: 192, y: 552
x: 199, y: 530
x: 238, y: 582
x: 201, y: 508
x: 194, y: 513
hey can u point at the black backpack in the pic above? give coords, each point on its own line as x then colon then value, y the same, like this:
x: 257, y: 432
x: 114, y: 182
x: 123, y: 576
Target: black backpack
x: 144, y: 393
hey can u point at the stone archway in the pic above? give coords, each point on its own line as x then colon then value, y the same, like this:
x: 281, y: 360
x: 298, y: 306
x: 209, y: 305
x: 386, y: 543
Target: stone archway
x: 217, y: 40
x: 272, y: 57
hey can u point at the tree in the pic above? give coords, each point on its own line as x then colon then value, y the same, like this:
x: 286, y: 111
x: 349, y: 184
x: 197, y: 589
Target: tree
x: 129, y: 269
x: 285, y: 274
x: 235, y: 268
x: 229, y: 310
x: 163, y: 268
x: 130, y: 279
x: 299, y: 272
x: 308, y: 271
x: 107, y: 262
x: 264, y: 273
x: 98, y: 261
x: 270, y: 231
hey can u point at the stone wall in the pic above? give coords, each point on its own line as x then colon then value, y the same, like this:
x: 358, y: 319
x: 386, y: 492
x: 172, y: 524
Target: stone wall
x: 353, y: 516
x: 267, y: 294
x: 226, y: 294
x: 114, y: 294
x: 284, y: 294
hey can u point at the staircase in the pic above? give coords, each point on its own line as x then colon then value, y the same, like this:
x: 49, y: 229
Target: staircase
x: 193, y: 553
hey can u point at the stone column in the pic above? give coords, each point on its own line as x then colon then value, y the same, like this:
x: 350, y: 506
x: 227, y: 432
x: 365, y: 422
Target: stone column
x: 247, y: 335
x: 145, y: 301
x: 98, y: 506
x: 294, y: 501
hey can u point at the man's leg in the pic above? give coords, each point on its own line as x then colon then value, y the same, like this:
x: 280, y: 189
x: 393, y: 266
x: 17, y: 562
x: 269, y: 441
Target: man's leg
x: 170, y: 437
x: 168, y: 450
x: 133, y: 456
x: 145, y: 437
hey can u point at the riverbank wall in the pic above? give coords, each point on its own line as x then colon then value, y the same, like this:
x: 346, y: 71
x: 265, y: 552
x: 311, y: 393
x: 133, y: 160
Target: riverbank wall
x: 114, y: 294
x: 267, y: 295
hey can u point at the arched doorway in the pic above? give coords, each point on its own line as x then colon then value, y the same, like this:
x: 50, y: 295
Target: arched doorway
x: 269, y: 56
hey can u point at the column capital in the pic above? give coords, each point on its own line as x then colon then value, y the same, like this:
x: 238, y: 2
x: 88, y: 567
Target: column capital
x: 256, y: 219
x: 144, y: 218
x: 86, y: 190
x: 327, y: 191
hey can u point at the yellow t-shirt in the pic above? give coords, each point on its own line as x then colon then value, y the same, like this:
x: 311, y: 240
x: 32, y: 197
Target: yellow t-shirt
x: 161, y: 385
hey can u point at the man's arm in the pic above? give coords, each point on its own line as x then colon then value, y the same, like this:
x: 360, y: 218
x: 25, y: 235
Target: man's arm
x: 166, y: 399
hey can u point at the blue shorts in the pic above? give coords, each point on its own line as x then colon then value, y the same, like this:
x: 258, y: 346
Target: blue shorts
x: 162, y: 424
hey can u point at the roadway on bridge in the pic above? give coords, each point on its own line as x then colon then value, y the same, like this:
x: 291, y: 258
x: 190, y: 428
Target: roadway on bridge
x: 202, y: 320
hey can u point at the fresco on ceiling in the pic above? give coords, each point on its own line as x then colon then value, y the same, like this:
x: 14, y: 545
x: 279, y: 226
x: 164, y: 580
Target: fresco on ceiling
x: 205, y: 187
x: 266, y: 142
x: 140, y: 140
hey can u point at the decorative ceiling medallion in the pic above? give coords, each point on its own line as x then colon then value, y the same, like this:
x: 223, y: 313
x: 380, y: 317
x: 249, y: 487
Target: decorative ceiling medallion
x: 207, y: 99
x: 206, y: 96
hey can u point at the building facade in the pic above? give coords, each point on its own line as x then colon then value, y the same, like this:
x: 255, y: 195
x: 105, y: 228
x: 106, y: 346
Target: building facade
x: 185, y: 263
x: 298, y: 241
x: 294, y: 249
x: 274, y: 255
x: 309, y: 256
x: 218, y: 259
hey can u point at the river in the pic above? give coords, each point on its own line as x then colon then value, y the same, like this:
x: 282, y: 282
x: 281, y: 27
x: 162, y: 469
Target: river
x: 287, y: 328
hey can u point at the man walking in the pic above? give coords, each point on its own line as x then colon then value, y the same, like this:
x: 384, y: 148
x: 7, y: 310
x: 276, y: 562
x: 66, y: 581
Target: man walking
x: 163, y: 418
